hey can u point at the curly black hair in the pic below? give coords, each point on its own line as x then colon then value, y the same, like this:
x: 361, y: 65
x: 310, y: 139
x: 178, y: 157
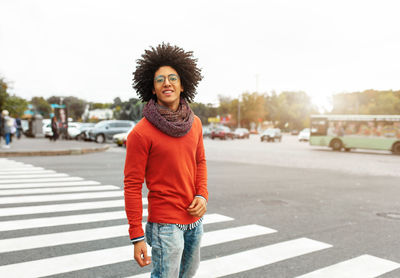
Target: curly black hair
x: 166, y: 55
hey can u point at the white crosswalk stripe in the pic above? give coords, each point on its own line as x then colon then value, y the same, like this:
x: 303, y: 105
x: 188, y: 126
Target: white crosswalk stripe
x: 41, y: 180
x: 47, y: 184
x: 33, y: 176
x: 78, y: 205
x: 60, y: 207
x: 60, y: 197
x: 365, y: 266
x: 26, y: 171
x: 57, y: 190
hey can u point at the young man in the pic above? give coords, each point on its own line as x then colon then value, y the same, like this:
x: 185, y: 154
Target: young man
x: 166, y: 149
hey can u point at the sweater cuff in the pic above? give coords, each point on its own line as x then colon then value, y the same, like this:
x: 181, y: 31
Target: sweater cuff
x: 201, y: 197
x: 137, y: 239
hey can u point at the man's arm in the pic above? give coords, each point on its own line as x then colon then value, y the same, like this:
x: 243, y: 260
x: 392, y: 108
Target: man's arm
x: 199, y: 204
x: 135, y: 166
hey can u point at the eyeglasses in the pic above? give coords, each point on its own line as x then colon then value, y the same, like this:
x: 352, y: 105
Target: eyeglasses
x: 160, y: 79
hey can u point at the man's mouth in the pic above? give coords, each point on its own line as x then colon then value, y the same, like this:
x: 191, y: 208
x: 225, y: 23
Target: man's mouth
x: 167, y: 92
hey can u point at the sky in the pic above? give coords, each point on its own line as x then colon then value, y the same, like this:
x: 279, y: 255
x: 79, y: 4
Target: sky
x: 89, y: 48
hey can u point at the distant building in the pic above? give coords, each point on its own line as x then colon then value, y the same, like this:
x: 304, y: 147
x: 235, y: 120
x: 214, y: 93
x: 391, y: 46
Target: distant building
x: 97, y: 114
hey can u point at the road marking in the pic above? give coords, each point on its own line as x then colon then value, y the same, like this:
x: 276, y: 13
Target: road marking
x: 20, y: 169
x: 258, y: 257
x: 254, y: 258
x: 60, y: 220
x: 30, y: 176
x: 42, y: 180
x: 40, y: 241
x: 68, y: 263
x: 57, y: 190
x: 8, y: 172
x: 47, y: 184
x: 60, y: 197
x: 60, y: 207
x: 364, y: 266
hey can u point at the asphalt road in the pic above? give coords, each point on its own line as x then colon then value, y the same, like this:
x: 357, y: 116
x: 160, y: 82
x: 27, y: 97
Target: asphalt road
x: 328, y: 207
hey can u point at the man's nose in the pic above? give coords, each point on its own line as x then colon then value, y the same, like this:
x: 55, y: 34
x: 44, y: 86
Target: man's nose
x: 167, y: 82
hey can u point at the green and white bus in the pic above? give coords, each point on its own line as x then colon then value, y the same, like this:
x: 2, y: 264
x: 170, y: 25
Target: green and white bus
x: 377, y: 132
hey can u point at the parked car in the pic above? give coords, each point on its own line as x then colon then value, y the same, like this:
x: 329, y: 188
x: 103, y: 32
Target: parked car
x: 304, y: 135
x: 84, y: 131
x: 242, y: 133
x: 271, y: 135
x: 207, y: 131
x: 105, y: 130
x: 294, y: 132
x: 222, y: 132
x: 73, y: 130
x: 120, y: 138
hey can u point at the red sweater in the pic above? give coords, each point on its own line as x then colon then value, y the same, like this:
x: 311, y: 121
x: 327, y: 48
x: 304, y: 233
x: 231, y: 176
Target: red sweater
x: 175, y: 171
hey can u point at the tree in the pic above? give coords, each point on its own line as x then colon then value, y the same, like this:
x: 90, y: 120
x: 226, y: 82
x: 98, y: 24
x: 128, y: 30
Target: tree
x: 75, y: 107
x: 3, y: 93
x: 203, y: 111
x: 15, y: 105
x: 41, y: 106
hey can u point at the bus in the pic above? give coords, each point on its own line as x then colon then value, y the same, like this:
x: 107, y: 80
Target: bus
x: 375, y: 132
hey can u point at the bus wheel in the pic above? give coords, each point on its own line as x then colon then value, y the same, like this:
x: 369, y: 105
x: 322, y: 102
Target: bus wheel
x: 336, y: 144
x: 396, y: 148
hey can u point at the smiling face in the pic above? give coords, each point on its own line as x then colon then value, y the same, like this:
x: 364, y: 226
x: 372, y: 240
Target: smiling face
x: 167, y: 87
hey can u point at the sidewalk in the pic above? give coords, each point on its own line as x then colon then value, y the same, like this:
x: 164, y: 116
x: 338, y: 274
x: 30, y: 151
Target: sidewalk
x: 44, y: 147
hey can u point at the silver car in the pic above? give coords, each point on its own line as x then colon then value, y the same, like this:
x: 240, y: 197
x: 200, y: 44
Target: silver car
x: 105, y: 130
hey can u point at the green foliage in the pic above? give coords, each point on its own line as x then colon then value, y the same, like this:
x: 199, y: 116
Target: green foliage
x: 3, y: 93
x: 367, y: 102
x: 16, y: 106
x: 203, y: 111
x: 41, y: 106
x: 99, y: 105
x: 128, y: 110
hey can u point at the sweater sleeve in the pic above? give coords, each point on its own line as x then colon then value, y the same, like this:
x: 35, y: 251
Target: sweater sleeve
x: 137, y: 150
x: 201, y: 176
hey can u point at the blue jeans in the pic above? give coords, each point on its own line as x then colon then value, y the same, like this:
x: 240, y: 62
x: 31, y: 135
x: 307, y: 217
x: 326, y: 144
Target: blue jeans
x: 175, y: 253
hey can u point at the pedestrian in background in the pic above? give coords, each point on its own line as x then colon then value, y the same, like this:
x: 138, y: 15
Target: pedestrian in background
x: 54, y: 129
x: 8, y: 123
x: 18, y: 127
x: 166, y: 149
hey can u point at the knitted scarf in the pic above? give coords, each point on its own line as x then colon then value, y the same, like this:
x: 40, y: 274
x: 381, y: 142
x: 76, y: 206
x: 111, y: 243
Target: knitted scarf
x: 173, y: 123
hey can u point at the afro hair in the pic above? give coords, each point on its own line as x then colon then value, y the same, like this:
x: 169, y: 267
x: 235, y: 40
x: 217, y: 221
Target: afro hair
x: 166, y: 55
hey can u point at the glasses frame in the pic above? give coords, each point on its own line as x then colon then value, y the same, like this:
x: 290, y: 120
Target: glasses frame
x: 165, y: 78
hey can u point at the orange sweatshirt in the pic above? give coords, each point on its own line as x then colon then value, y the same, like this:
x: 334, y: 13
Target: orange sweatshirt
x: 175, y: 171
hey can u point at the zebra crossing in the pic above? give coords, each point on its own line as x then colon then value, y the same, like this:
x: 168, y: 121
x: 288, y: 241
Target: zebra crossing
x: 36, y: 198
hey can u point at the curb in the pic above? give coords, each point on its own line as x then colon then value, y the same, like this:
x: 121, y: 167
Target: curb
x: 76, y: 151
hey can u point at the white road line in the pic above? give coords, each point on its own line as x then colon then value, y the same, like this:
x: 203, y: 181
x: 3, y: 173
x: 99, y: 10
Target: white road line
x: 364, y: 266
x: 57, y: 190
x: 60, y: 220
x: 39, y: 241
x: 20, y: 169
x: 60, y: 197
x: 62, y: 264
x: 27, y: 172
x: 83, y: 218
x: 47, y: 184
x: 35, y: 176
x: 60, y: 207
x: 254, y: 258
x: 41, y: 180
x: 258, y: 257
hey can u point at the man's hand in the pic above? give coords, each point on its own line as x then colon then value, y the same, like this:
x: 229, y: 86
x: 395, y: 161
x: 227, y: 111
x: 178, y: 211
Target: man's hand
x: 140, y: 253
x: 198, y: 207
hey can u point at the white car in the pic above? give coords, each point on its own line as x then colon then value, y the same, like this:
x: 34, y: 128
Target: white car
x: 304, y: 135
x: 73, y: 130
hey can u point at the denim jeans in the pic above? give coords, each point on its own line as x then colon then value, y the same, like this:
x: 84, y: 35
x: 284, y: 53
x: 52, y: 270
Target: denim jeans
x: 175, y: 253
